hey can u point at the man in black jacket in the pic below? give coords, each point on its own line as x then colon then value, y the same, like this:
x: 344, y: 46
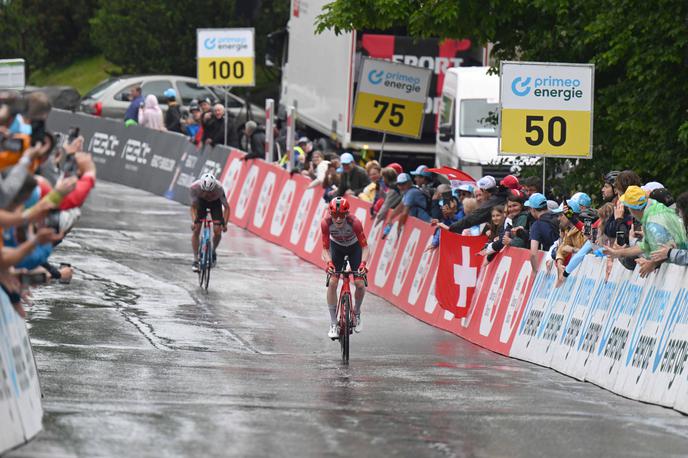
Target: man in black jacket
x: 214, y: 126
x: 173, y: 116
x: 253, y: 140
x: 493, y: 196
x: 354, y: 178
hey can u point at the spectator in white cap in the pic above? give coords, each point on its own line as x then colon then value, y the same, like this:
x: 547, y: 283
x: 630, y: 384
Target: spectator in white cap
x: 651, y: 186
x: 490, y: 196
x: 486, y: 186
x: 354, y: 177
x: 421, y: 177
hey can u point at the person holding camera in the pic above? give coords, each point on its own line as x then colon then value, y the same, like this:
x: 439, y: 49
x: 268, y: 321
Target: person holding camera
x: 572, y: 238
x: 450, y: 206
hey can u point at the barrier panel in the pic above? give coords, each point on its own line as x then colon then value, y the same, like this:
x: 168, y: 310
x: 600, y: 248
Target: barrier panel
x: 20, y: 394
x: 604, y: 325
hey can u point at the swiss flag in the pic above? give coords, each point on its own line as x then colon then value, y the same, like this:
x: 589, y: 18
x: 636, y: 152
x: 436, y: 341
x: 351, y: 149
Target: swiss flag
x: 458, y: 271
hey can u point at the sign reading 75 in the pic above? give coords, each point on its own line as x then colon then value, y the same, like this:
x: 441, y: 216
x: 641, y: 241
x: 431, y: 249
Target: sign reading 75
x: 387, y: 114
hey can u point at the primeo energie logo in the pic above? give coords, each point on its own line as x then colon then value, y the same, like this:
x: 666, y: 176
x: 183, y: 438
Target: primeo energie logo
x: 549, y: 86
x: 395, y: 80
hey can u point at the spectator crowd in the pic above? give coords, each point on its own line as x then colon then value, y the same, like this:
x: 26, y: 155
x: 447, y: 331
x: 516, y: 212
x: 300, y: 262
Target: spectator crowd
x: 44, y: 180
x: 640, y: 224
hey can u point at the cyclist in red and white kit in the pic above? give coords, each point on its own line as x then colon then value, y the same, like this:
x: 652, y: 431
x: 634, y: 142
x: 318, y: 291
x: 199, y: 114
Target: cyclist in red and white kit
x: 207, y: 194
x: 342, y: 235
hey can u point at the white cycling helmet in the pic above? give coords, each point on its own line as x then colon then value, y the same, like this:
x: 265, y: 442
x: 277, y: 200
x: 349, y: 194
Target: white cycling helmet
x: 208, y: 182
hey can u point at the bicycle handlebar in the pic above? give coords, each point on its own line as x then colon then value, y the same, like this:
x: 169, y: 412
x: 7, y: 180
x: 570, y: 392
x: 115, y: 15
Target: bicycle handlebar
x: 347, y: 273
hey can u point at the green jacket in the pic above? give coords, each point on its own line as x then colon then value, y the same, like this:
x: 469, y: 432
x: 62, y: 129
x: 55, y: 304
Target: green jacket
x: 661, y: 225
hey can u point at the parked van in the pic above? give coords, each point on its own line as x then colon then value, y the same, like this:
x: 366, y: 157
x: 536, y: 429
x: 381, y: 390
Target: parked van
x: 468, y: 125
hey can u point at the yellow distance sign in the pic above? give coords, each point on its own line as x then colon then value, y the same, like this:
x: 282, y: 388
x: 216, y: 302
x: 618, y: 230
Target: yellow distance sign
x: 232, y: 71
x: 386, y: 114
x: 546, y: 132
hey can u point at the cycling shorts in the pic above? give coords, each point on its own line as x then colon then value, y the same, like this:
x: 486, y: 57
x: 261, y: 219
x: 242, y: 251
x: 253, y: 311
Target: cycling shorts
x: 215, y: 207
x: 338, y: 252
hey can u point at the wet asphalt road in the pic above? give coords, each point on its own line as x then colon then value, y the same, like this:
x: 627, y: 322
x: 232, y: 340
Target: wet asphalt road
x: 135, y: 361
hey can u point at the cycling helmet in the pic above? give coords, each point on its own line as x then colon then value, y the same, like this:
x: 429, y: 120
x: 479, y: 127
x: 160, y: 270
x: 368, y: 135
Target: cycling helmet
x: 339, y: 206
x: 208, y: 182
x: 611, y: 177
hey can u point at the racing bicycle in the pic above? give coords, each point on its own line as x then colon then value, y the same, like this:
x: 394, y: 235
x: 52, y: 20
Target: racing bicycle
x: 346, y: 318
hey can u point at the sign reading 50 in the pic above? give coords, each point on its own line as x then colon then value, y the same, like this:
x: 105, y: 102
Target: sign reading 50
x: 546, y: 132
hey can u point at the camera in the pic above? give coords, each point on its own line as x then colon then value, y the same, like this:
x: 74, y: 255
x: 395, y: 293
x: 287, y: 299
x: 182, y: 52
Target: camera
x: 52, y: 221
x: 37, y: 132
x: 68, y: 165
x: 73, y: 134
x: 587, y: 228
x: 621, y: 238
x: 12, y: 144
x: 446, y: 195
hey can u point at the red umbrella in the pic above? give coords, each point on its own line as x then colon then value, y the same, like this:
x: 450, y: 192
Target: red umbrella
x: 453, y: 174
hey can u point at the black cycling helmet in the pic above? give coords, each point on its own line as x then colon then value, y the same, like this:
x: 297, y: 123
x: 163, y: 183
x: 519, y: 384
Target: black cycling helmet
x: 611, y: 177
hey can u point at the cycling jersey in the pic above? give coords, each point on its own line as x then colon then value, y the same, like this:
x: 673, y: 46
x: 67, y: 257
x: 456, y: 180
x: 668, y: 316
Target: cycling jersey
x: 208, y: 200
x: 218, y: 193
x: 346, y: 234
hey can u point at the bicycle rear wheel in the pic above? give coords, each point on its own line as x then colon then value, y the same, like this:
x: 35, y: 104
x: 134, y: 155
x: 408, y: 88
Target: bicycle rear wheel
x: 345, y: 327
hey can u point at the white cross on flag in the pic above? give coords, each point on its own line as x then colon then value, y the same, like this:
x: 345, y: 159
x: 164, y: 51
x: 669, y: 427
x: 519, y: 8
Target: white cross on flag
x: 458, y: 271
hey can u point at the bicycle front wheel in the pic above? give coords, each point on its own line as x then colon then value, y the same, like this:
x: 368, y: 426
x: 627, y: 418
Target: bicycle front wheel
x: 207, y: 265
x: 345, y: 327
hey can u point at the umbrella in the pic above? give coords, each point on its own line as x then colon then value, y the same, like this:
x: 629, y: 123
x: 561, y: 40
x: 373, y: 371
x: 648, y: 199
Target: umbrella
x: 453, y: 174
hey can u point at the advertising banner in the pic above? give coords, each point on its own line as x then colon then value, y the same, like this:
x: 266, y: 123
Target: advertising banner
x: 21, y: 412
x: 271, y: 182
x: 499, y: 301
x: 546, y: 109
x: 636, y: 372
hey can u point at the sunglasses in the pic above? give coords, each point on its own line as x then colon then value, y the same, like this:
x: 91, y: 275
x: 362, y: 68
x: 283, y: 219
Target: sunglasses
x: 338, y: 215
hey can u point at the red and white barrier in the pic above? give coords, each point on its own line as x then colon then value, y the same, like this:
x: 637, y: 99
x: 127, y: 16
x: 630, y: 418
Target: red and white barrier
x: 20, y: 396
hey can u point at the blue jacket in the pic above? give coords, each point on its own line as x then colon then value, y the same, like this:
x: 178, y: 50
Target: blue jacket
x: 34, y: 259
x: 133, y: 110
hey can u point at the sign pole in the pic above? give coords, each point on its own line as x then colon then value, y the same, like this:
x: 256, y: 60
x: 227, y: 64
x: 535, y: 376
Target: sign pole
x: 269, y: 129
x: 544, y: 159
x: 226, y: 115
x: 291, y: 127
x: 382, y: 147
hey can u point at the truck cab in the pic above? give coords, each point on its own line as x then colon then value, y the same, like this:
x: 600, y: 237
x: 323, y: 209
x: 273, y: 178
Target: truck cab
x: 467, y: 133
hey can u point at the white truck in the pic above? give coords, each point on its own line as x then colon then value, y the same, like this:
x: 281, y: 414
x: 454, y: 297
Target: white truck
x: 319, y: 78
x: 468, y: 123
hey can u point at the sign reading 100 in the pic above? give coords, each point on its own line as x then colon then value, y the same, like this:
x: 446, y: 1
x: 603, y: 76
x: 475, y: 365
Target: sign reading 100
x: 234, y: 71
